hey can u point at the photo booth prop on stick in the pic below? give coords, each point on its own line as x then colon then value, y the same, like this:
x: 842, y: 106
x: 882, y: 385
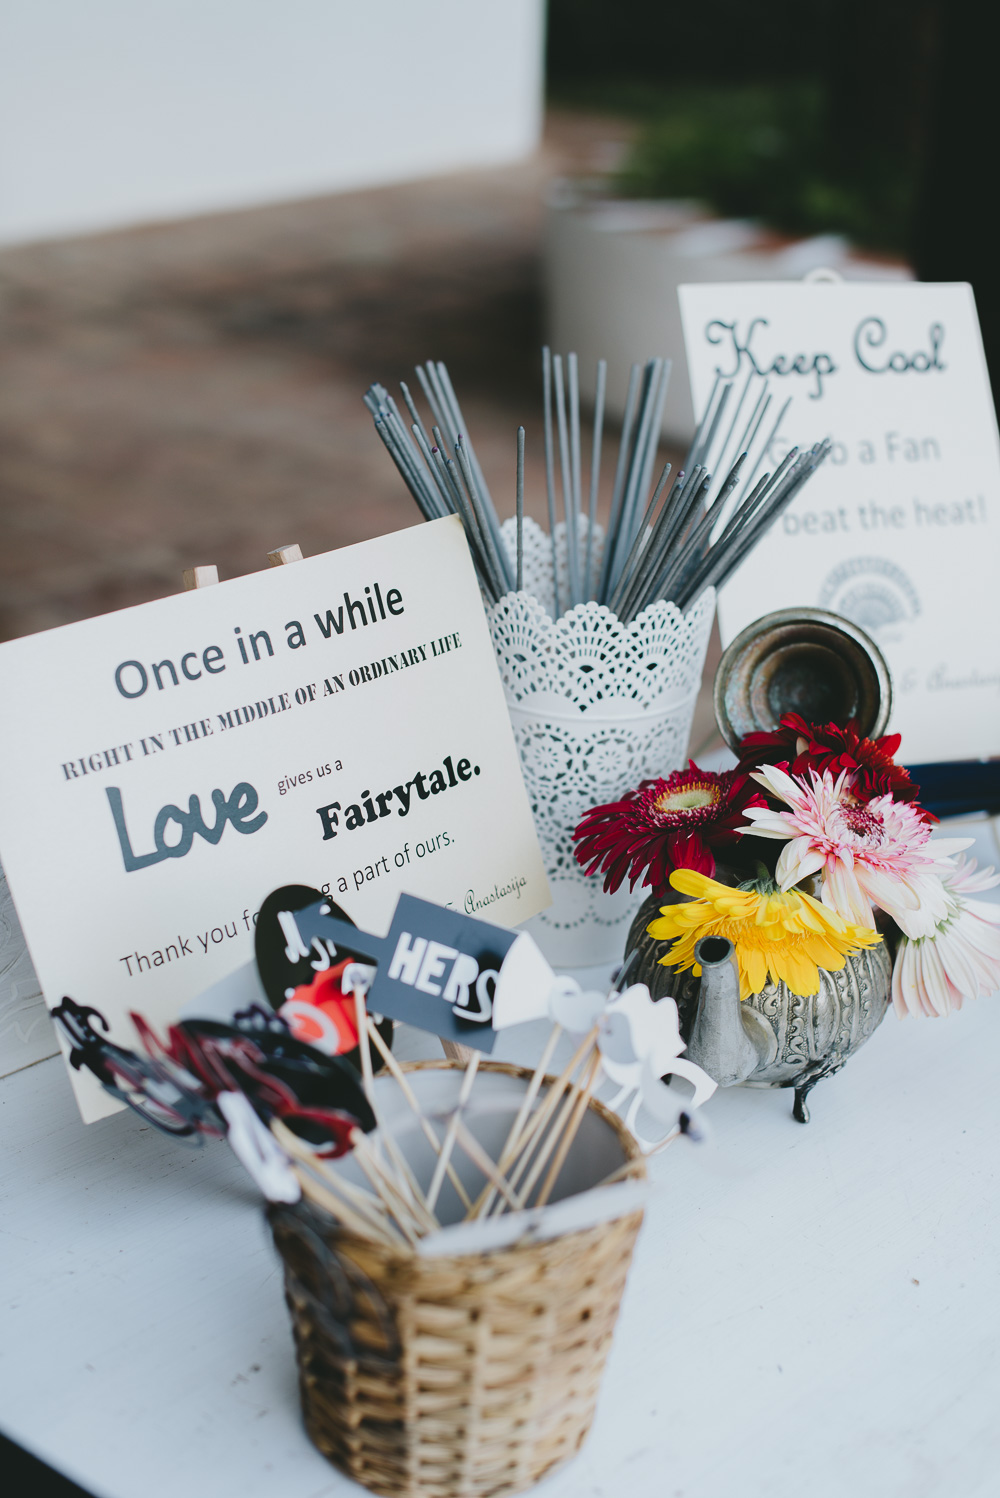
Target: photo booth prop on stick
x: 460, y: 978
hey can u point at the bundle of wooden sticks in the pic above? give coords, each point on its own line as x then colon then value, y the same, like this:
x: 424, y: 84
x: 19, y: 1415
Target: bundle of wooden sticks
x: 661, y: 542
x: 393, y: 1209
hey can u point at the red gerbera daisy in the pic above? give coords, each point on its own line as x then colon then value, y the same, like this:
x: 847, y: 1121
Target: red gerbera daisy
x: 664, y: 825
x: 803, y: 746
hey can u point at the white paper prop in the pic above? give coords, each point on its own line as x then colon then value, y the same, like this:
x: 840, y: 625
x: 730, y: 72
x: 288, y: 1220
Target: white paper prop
x: 523, y: 986
x: 257, y: 1150
x: 640, y: 1044
x: 356, y: 975
x: 639, y: 1041
x: 636, y: 1035
x: 573, y: 1008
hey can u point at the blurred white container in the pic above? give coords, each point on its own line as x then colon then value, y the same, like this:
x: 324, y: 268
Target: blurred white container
x: 612, y: 269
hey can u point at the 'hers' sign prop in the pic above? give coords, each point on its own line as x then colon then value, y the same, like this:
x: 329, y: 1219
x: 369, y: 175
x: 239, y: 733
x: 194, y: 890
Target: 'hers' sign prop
x: 340, y: 722
x: 899, y: 530
x: 437, y: 969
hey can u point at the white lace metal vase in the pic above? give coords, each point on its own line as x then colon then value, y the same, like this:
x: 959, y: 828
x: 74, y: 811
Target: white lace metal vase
x: 596, y: 706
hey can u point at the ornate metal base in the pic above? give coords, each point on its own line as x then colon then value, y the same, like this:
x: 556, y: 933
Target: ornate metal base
x: 805, y: 1084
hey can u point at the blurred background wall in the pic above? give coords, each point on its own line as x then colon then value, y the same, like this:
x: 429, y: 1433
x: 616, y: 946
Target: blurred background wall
x: 119, y: 111
x: 874, y: 120
x: 226, y: 218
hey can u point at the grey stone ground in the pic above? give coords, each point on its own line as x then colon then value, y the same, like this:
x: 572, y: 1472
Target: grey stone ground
x: 191, y: 392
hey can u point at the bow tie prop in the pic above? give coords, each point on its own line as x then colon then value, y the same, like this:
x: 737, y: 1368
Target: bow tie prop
x: 640, y: 1044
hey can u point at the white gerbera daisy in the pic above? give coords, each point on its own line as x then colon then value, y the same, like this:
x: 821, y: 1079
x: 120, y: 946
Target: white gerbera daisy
x: 960, y: 959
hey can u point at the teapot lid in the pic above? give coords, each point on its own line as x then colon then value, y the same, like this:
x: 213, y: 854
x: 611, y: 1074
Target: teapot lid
x: 807, y: 661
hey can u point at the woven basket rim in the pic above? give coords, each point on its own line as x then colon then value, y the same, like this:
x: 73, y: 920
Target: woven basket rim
x: 334, y: 1232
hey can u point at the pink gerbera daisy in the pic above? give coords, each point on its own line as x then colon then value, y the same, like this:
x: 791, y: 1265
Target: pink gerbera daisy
x: 876, y: 852
x: 960, y: 959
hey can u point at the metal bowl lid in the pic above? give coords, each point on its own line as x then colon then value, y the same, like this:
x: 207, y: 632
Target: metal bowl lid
x: 805, y: 661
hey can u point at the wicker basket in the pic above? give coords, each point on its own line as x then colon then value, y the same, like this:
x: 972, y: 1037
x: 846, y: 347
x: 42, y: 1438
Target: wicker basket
x: 453, y: 1377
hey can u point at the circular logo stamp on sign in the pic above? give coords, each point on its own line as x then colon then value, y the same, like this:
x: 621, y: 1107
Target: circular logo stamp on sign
x: 872, y: 592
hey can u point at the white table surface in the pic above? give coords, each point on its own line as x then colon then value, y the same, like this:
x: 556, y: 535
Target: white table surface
x: 811, y: 1310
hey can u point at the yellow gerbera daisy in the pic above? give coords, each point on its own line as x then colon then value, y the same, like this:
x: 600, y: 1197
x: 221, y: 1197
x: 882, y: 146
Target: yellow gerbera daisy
x: 785, y: 936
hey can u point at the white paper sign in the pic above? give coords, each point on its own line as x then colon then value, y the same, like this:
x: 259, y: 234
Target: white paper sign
x: 338, y: 723
x: 900, y: 528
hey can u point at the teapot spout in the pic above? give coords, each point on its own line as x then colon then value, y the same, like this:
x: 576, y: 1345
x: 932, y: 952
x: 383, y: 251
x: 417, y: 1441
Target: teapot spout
x: 719, y: 1042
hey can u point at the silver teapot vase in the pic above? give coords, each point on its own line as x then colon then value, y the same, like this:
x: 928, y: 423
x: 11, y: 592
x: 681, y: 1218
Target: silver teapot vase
x: 823, y: 666
x: 774, y: 1038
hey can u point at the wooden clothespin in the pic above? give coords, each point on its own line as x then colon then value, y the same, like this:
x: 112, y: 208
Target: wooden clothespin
x: 200, y: 577
x: 285, y: 554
